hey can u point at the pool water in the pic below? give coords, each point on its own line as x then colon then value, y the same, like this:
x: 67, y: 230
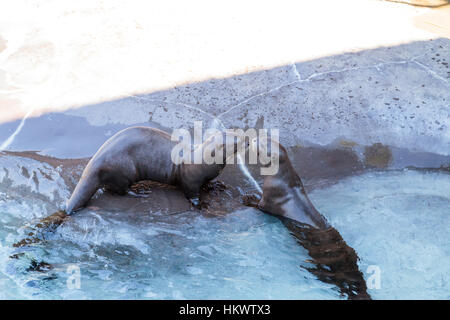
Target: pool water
x: 397, y: 221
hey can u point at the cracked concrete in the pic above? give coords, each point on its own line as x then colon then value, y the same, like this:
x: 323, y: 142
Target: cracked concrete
x: 209, y: 95
x: 399, y: 103
x: 398, y: 96
x: 388, y: 84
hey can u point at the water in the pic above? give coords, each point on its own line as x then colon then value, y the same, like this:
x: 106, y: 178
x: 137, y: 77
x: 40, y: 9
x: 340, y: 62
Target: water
x: 397, y: 221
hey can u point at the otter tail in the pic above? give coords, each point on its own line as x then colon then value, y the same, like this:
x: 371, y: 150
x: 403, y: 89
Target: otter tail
x: 84, y: 191
x: 334, y: 261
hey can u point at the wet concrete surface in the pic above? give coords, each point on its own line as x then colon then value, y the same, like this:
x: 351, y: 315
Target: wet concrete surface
x: 50, y: 181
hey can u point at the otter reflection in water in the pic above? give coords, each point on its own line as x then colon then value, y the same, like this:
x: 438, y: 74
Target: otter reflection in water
x: 333, y: 260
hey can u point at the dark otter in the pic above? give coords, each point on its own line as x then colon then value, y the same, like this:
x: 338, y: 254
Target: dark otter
x: 284, y: 196
x: 141, y: 153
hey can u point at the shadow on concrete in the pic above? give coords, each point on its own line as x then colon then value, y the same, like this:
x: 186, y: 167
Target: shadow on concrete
x: 396, y: 96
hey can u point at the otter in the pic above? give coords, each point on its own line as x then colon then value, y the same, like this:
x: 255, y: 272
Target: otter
x: 284, y: 196
x: 142, y: 153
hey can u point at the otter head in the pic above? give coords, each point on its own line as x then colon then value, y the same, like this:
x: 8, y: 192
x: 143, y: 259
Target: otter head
x: 222, y: 146
x: 217, y: 149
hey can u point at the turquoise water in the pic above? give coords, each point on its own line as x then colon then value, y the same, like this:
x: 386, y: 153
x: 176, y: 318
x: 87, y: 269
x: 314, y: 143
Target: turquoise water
x: 400, y: 222
x: 396, y: 221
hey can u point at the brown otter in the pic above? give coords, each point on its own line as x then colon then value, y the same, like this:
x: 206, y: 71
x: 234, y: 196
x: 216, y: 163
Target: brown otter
x: 141, y: 153
x: 285, y: 197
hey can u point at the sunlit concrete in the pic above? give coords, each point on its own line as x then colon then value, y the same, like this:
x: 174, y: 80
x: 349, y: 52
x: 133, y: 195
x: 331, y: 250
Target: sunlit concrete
x: 60, y: 54
x: 436, y: 21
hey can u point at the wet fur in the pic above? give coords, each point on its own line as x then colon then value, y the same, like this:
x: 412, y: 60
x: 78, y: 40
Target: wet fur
x: 333, y: 260
x: 132, y: 155
x: 135, y: 154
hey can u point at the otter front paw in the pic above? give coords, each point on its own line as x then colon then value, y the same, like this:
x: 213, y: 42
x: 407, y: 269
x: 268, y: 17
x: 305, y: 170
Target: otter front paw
x: 204, y: 204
